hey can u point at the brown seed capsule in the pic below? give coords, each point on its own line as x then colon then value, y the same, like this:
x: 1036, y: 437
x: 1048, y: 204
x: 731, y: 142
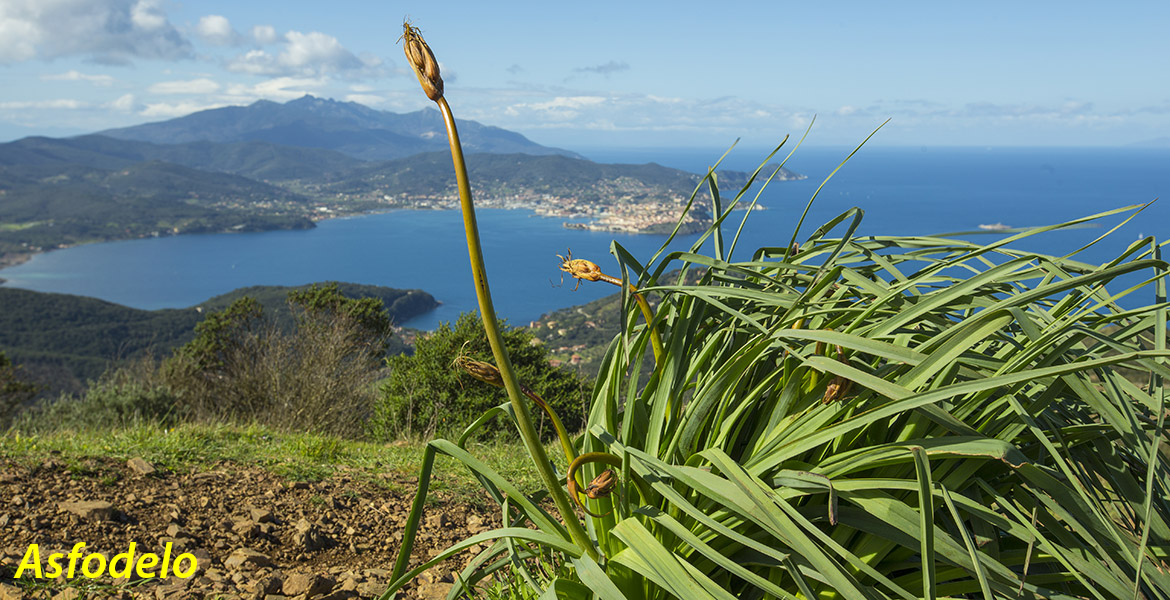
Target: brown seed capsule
x: 602, y: 485
x: 422, y: 61
x: 485, y: 372
x: 837, y: 389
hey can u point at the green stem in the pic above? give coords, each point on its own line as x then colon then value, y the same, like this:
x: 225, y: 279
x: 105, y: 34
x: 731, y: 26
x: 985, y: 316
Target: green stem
x: 562, y: 433
x: 491, y: 326
x: 413, y: 518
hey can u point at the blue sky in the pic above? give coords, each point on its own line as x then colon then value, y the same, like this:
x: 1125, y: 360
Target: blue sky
x: 613, y: 74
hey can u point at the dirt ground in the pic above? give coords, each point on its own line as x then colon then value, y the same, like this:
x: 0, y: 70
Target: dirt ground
x: 253, y: 535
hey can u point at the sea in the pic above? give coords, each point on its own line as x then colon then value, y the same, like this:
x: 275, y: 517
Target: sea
x: 903, y: 190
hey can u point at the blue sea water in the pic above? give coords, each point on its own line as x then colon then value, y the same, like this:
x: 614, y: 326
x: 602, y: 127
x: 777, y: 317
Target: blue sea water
x: 902, y: 190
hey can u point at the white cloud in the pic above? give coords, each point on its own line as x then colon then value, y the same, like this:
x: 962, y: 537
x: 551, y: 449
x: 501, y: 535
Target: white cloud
x: 303, y: 55
x: 105, y: 31
x: 124, y: 103
x: 316, y: 52
x: 176, y: 109
x: 36, y: 104
x: 193, y: 86
x: 264, y: 34
x: 216, y: 29
x: 279, y: 88
x: 366, y: 99
x: 101, y: 80
x: 146, y: 15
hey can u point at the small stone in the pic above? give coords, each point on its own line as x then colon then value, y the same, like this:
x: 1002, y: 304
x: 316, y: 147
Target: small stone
x: 372, y: 588
x: 89, y: 510
x: 141, y: 467
x: 67, y: 594
x: 260, y: 515
x: 244, y: 559
x: 311, y: 585
x: 438, y: 520
x: 10, y: 592
x: 266, y: 586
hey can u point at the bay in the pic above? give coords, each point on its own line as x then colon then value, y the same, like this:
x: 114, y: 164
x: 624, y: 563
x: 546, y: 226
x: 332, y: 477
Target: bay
x: 902, y: 190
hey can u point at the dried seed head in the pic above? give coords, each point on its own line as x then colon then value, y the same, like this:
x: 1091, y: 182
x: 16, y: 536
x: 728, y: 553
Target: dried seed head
x: 602, y: 485
x: 485, y: 372
x: 422, y: 60
x: 836, y: 390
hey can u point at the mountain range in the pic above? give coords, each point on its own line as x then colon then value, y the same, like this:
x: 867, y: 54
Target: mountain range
x: 346, y: 127
x: 273, y: 166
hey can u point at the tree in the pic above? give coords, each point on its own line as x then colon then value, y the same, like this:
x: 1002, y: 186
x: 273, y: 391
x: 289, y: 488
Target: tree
x: 426, y: 394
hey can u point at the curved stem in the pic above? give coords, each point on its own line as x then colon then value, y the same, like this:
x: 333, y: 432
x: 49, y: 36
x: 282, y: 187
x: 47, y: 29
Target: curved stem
x: 562, y: 433
x: 655, y: 340
x: 491, y: 326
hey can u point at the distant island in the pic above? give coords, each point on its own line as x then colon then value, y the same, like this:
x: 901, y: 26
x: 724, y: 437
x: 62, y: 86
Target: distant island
x: 284, y: 166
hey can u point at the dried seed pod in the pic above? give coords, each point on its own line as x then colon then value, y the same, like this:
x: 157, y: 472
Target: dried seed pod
x: 602, y: 485
x: 422, y: 61
x: 837, y: 389
x: 485, y: 372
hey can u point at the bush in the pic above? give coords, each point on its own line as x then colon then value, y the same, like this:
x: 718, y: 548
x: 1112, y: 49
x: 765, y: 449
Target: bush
x: 133, y: 394
x: 319, y: 377
x: 426, y: 394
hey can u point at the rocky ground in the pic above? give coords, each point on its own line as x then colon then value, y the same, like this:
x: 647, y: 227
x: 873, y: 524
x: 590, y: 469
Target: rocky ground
x: 254, y: 535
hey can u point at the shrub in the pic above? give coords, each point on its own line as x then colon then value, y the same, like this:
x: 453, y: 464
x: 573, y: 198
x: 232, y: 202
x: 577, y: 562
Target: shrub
x: 130, y: 395
x: 319, y: 377
x: 425, y: 393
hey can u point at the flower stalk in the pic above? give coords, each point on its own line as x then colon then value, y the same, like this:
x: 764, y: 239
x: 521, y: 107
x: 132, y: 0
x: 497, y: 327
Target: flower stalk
x: 426, y: 68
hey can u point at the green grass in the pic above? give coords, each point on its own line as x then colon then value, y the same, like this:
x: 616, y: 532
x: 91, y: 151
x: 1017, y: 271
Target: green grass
x: 294, y: 456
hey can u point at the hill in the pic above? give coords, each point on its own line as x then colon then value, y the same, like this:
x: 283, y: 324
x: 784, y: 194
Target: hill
x: 45, y: 206
x: 64, y: 340
x: 346, y: 127
x: 262, y: 161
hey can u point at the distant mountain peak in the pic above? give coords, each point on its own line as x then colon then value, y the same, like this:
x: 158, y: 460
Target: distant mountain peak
x: 343, y: 126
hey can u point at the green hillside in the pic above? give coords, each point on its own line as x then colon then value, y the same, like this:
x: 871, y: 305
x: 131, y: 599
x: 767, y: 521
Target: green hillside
x: 64, y: 340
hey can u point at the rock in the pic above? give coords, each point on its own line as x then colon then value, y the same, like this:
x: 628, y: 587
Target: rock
x: 476, y: 525
x: 372, y: 588
x: 89, y: 510
x: 247, y: 559
x: 311, y: 585
x: 438, y: 520
x: 338, y: 595
x: 266, y: 586
x: 141, y: 467
x: 434, y: 591
x: 260, y: 515
x: 10, y: 592
x: 309, y: 537
x: 68, y: 594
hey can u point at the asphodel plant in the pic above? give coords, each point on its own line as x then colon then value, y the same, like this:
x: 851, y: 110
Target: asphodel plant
x: 858, y: 417
x: 569, y: 530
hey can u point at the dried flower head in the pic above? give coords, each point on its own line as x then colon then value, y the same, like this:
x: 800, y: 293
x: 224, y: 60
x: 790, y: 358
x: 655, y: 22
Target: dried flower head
x: 580, y: 268
x: 602, y: 485
x: 485, y: 372
x: 836, y: 390
x: 422, y: 60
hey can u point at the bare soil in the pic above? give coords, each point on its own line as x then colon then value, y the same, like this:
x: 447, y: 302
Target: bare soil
x: 254, y: 535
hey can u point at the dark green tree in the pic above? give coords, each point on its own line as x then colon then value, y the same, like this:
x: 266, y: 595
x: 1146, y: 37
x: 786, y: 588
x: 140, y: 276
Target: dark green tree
x: 425, y: 394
